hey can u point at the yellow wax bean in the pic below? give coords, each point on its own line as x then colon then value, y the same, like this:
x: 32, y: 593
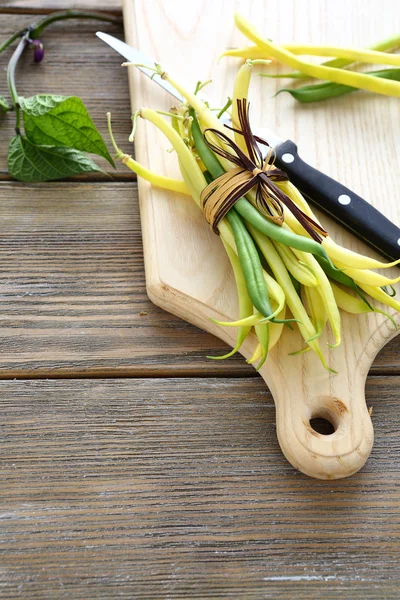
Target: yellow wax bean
x: 257, y: 317
x: 262, y: 333
x: 254, y: 52
x: 252, y: 320
x: 336, y: 253
x: 167, y: 183
x: 185, y: 156
x: 256, y: 355
x: 293, y: 301
x: 282, y: 277
x: 154, y: 178
x: 348, y: 258
x: 299, y: 271
x: 353, y: 54
x: 317, y: 308
x: 349, y: 303
x: 326, y: 292
x: 356, y: 306
x: 206, y: 117
x: 294, y: 194
x: 274, y: 289
x: 177, y: 122
x: 293, y: 224
x: 334, y: 250
x: 223, y: 227
x: 351, y: 78
x: 381, y: 296
x: 245, y: 304
x: 275, y: 332
x: 227, y: 235
x: 366, y: 276
x: 276, y: 329
x: 240, y: 91
x: 204, y: 113
x: 248, y: 52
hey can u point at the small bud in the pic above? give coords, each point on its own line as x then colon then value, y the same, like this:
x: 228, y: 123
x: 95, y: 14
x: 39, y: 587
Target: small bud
x: 38, y: 51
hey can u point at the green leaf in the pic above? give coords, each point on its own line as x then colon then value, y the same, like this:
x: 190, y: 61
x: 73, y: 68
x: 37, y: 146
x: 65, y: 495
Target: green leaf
x: 4, y: 106
x: 61, y: 121
x: 29, y: 162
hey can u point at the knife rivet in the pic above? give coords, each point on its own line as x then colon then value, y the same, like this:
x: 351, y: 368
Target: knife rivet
x: 398, y: 241
x: 287, y: 157
x: 344, y: 199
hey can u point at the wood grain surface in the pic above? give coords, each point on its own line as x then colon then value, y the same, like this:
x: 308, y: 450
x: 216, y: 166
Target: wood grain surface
x: 187, y: 269
x: 176, y: 489
x: 72, y: 290
x: 152, y: 488
x: 40, y: 6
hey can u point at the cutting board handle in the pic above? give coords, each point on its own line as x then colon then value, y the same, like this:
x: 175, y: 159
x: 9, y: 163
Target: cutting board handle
x: 336, y: 399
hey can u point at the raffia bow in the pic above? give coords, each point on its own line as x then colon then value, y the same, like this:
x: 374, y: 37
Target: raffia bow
x: 252, y: 170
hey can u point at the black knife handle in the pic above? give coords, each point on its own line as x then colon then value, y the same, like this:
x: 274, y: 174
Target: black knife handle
x: 340, y: 203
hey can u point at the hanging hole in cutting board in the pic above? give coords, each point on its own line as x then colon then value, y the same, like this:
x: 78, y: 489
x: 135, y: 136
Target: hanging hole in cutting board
x: 327, y: 415
x: 322, y: 425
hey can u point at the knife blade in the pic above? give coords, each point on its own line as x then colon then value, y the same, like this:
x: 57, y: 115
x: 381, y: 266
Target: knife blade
x: 342, y: 204
x: 145, y: 65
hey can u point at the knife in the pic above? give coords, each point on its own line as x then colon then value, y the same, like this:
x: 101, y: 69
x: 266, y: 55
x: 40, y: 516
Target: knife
x: 336, y: 200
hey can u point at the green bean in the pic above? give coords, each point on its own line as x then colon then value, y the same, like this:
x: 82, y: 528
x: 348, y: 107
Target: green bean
x: 392, y: 293
x: 208, y: 157
x: 340, y: 277
x: 262, y: 332
x: 208, y: 177
x: 245, y: 303
x: 251, y: 265
x: 329, y: 89
x: 277, y: 233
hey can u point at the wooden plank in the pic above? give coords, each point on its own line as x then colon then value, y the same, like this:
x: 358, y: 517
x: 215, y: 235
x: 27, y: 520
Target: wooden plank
x: 76, y: 63
x: 177, y: 489
x: 72, y: 290
x: 387, y: 361
x: 39, y: 6
x: 73, y: 298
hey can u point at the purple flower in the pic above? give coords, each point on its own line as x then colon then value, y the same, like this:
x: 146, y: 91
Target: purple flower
x: 38, y: 51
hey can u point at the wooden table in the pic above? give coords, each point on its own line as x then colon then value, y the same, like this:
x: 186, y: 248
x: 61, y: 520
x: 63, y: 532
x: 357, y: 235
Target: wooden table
x: 132, y: 466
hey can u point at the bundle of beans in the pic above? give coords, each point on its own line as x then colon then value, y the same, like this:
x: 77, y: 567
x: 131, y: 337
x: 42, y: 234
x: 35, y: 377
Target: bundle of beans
x: 289, y: 272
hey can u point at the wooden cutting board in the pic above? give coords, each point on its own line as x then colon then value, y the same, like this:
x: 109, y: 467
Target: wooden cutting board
x: 355, y: 139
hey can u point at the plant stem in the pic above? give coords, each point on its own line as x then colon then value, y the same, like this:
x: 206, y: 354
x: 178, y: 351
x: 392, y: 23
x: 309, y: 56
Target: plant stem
x: 12, y: 39
x: 32, y: 32
x: 70, y: 14
x: 11, y: 78
x: 36, y: 28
